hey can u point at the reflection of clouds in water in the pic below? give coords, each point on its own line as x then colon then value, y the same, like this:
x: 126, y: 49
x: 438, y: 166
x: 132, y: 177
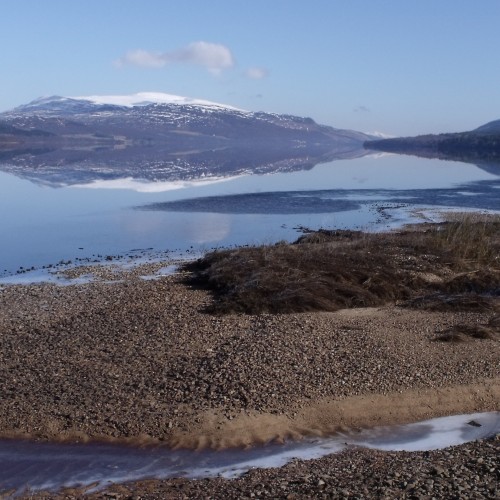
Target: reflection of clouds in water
x: 145, y: 186
x: 204, y: 228
x: 133, y: 223
x: 208, y: 228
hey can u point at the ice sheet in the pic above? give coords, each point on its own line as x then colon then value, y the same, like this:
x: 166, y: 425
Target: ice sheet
x: 40, y: 466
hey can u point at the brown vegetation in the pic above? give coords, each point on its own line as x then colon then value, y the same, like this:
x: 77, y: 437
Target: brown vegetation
x: 463, y: 333
x: 451, y: 265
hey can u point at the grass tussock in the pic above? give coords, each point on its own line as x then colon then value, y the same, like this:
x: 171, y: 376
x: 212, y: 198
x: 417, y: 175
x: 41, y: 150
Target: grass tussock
x: 482, y: 280
x: 460, y: 302
x: 465, y: 333
x: 468, y: 238
x: 330, y: 270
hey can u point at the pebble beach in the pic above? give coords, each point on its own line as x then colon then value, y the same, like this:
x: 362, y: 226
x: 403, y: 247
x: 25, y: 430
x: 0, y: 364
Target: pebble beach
x: 124, y: 359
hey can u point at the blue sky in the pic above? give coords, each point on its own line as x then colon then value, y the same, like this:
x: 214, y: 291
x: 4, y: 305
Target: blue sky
x: 394, y: 66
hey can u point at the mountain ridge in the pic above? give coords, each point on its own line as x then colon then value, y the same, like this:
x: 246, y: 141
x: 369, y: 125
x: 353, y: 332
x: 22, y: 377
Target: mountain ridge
x: 91, y: 108
x: 70, y: 104
x: 173, y: 138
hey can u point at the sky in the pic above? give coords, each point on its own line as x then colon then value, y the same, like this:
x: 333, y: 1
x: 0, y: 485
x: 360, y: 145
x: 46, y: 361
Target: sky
x: 399, y: 67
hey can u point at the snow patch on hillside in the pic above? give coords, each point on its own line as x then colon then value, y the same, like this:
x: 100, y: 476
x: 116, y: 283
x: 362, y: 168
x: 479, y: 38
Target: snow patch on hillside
x: 145, y: 98
x: 380, y: 135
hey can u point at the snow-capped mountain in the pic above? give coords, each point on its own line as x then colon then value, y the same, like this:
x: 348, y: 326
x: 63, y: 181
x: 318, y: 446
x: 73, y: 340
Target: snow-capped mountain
x: 145, y: 98
x: 160, y: 136
x: 98, y: 103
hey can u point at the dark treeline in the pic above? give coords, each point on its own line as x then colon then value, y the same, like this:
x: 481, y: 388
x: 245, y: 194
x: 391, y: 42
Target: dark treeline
x: 464, y: 145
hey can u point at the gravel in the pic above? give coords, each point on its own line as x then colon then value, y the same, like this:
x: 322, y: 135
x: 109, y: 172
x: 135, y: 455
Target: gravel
x: 140, y: 360
x: 137, y: 357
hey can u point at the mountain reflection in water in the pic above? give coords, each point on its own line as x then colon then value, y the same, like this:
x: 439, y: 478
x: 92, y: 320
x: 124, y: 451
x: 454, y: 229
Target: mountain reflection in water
x: 117, y: 209
x: 67, y: 167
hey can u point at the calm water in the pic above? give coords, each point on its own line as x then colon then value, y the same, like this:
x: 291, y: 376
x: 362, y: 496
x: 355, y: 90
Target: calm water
x: 41, y: 225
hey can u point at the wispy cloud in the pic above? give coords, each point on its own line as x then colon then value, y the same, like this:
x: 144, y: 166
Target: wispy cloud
x: 362, y: 109
x: 214, y: 57
x: 256, y: 73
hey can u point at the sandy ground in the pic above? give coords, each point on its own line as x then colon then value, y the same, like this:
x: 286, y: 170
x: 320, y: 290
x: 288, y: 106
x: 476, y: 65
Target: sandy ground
x: 140, y: 361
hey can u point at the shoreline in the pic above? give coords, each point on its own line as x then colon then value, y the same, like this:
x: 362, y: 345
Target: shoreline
x: 322, y: 418
x: 41, y: 273
x: 465, y: 471
x: 91, y: 468
x: 138, y: 362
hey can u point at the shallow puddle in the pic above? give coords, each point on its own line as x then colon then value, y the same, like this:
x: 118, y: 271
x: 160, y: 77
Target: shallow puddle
x: 50, y: 466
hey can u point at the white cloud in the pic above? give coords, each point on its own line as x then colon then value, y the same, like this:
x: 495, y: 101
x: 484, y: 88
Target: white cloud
x: 256, y: 73
x: 214, y: 57
x: 141, y: 58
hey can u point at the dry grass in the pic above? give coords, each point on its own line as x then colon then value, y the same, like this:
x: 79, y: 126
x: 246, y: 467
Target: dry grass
x: 472, y: 238
x: 464, y: 333
x: 329, y: 270
x: 459, y: 302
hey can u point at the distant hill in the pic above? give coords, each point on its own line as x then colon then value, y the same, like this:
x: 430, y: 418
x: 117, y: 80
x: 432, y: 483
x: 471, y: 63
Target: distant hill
x: 154, y: 136
x: 489, y: 128
x: 482, y: 143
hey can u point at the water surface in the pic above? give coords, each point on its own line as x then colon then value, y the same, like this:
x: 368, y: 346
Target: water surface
x: 50, y: 466
x: 41, y: 224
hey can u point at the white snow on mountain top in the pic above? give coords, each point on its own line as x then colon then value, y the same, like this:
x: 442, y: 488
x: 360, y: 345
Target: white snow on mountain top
x: 380, y: 135
x: 144, y: 98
